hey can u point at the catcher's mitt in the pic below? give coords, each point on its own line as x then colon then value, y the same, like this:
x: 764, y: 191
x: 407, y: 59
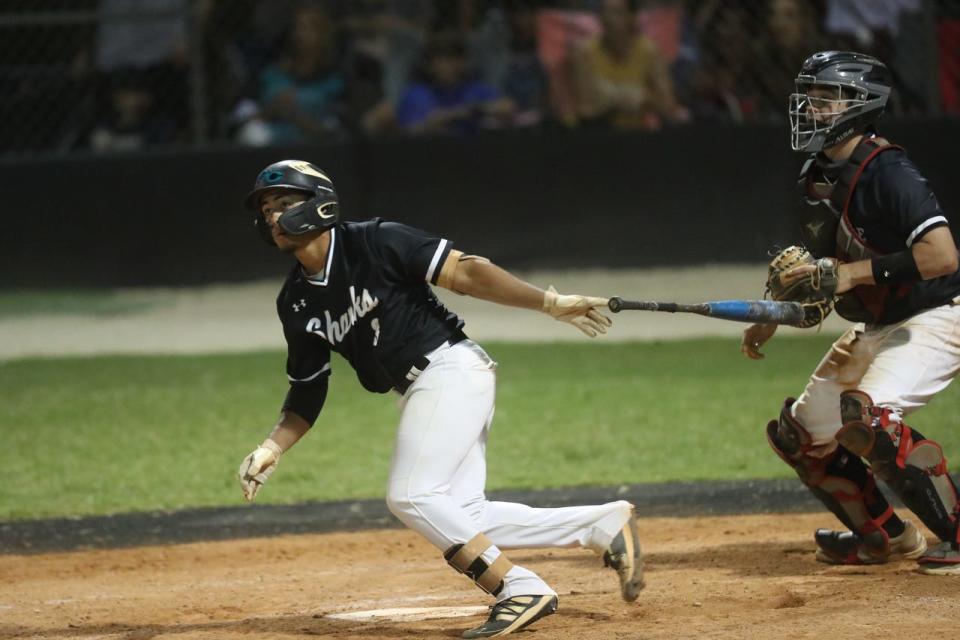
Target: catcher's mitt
x: 815, y: 290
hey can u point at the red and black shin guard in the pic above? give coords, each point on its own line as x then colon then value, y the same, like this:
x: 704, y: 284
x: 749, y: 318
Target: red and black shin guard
x: 844, y: 484
x: 911, y: 465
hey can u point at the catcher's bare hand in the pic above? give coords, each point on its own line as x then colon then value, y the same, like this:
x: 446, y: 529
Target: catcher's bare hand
x: 580, y: 311
x: 796, y: 274
x: 257, y: 468
x: 754, y: 337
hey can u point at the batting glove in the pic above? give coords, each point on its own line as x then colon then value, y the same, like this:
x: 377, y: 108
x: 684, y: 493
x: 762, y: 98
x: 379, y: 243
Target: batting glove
x: 257, y: 467
x: 580, y: 311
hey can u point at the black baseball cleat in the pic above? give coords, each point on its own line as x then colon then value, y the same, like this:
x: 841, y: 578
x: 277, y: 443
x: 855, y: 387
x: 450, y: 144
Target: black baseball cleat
x: 846, y: 547
x: 513, y: 614
x: 624, y: 556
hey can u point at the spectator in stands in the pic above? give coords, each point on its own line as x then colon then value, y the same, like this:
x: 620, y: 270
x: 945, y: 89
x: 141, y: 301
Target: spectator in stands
x: 789, y: 32
x: 621, y: 79
x: 890, y: 30
x: 448, y: 100
x: 719, y: 58
x: 132, y: 120
x: 301, y: 92
x: 505, y: 47
x: 141, y: 53
x: 385, y: 41
x: 869, y: 27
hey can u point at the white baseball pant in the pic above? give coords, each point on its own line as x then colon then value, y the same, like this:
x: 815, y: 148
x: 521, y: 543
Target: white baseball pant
x: 438, y: 473
x: 901, y: 366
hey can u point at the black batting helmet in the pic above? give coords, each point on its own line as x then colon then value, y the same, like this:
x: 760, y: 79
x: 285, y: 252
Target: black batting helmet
x: 320, y: 211
x: 862, y: 84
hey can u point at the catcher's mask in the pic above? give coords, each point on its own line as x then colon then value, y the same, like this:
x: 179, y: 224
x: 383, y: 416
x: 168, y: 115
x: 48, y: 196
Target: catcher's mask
x: 855, y: 92
x: 320, y: 211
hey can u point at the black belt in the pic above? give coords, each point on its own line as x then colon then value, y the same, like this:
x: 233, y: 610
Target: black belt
x: 420, y: 364
x: 412, y: 374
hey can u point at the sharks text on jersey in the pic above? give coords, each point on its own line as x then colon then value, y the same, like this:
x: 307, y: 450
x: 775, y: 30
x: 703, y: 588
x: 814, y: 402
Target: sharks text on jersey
x: 334, y: 331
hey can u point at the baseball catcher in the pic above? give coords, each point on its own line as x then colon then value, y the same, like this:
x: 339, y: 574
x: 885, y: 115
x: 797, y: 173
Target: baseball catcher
x: 882, y: 253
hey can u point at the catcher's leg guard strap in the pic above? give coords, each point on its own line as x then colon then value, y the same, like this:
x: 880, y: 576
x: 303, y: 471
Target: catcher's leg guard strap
x: 841, y: 481
x: 467, y: 558
x: 911, y: 465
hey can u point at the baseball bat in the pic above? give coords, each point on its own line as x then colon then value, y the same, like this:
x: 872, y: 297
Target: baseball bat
x: 760, y: 311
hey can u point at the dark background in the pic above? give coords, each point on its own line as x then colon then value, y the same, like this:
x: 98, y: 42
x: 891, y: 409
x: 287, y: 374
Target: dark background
x: 682, y: 196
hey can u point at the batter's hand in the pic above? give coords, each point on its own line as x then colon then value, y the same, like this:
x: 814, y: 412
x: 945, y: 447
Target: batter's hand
x: 754, y: 337
x: 580, y: 311
x: 257, y: 467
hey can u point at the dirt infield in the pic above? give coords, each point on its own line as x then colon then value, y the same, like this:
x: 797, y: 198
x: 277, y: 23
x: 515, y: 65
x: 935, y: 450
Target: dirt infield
x: 724, y: 577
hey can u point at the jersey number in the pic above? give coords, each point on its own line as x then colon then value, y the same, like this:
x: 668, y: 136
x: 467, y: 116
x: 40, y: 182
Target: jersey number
x: 375, y: 324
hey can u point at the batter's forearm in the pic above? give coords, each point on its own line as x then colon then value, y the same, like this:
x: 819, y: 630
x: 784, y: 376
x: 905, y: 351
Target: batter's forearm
x: 486, y: 281
x: 289, y: 429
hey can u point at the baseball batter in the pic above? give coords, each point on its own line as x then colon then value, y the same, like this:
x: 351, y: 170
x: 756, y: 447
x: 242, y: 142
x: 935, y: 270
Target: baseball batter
x: 896, y: 275
x: 364, y: 291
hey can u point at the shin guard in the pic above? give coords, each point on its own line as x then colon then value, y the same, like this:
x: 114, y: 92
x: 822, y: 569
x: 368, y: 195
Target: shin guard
x: 840, y: 480
x: 912, y: 466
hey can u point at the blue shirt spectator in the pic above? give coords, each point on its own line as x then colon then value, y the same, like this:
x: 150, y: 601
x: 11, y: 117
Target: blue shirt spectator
x: 462, y: 103
x: 447, y: 100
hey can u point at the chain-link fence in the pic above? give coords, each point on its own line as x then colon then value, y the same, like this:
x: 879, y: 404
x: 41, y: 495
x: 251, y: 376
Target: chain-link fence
x: 121, y: 75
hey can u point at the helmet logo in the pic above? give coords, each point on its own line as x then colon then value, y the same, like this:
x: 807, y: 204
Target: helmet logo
x: 322, y: 208
x: 271, y: 176
x: 310, y: 170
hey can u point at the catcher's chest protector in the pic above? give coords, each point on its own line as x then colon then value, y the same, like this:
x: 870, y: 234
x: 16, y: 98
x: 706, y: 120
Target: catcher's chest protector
x: 830, y: 231
x: 846, y: 241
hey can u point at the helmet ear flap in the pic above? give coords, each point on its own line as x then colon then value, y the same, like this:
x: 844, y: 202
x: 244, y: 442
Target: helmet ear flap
x: 318, y: 213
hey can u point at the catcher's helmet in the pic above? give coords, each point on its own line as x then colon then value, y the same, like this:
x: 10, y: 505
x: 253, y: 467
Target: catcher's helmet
x: 862, y: 85
x: 320, y: 211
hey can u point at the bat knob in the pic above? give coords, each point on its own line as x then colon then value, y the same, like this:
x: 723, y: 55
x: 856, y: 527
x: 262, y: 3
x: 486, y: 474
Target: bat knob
x: 615, y: 304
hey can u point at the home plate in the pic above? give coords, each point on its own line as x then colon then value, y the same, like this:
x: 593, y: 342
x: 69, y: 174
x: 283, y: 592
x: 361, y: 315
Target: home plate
x: 408, y: 614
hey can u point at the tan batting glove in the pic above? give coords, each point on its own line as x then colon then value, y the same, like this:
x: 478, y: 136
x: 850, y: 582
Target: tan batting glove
x: 580, y: 311
x: 257, y: 467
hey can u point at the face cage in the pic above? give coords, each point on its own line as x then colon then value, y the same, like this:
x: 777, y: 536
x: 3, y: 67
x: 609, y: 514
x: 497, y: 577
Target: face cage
x: 804, y: 125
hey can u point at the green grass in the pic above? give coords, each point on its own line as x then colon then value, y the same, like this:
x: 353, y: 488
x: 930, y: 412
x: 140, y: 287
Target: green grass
x: 113, y: 434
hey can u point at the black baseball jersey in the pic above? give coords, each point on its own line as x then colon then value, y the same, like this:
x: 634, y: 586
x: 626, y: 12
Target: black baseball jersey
x: 372, y: 304
x: 891, y: 207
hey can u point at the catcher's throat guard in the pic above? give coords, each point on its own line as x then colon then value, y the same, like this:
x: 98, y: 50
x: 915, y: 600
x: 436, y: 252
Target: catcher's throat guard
x: 320, y: 211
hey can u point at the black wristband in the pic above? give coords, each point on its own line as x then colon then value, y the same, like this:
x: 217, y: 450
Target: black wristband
x: 896, y: 268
